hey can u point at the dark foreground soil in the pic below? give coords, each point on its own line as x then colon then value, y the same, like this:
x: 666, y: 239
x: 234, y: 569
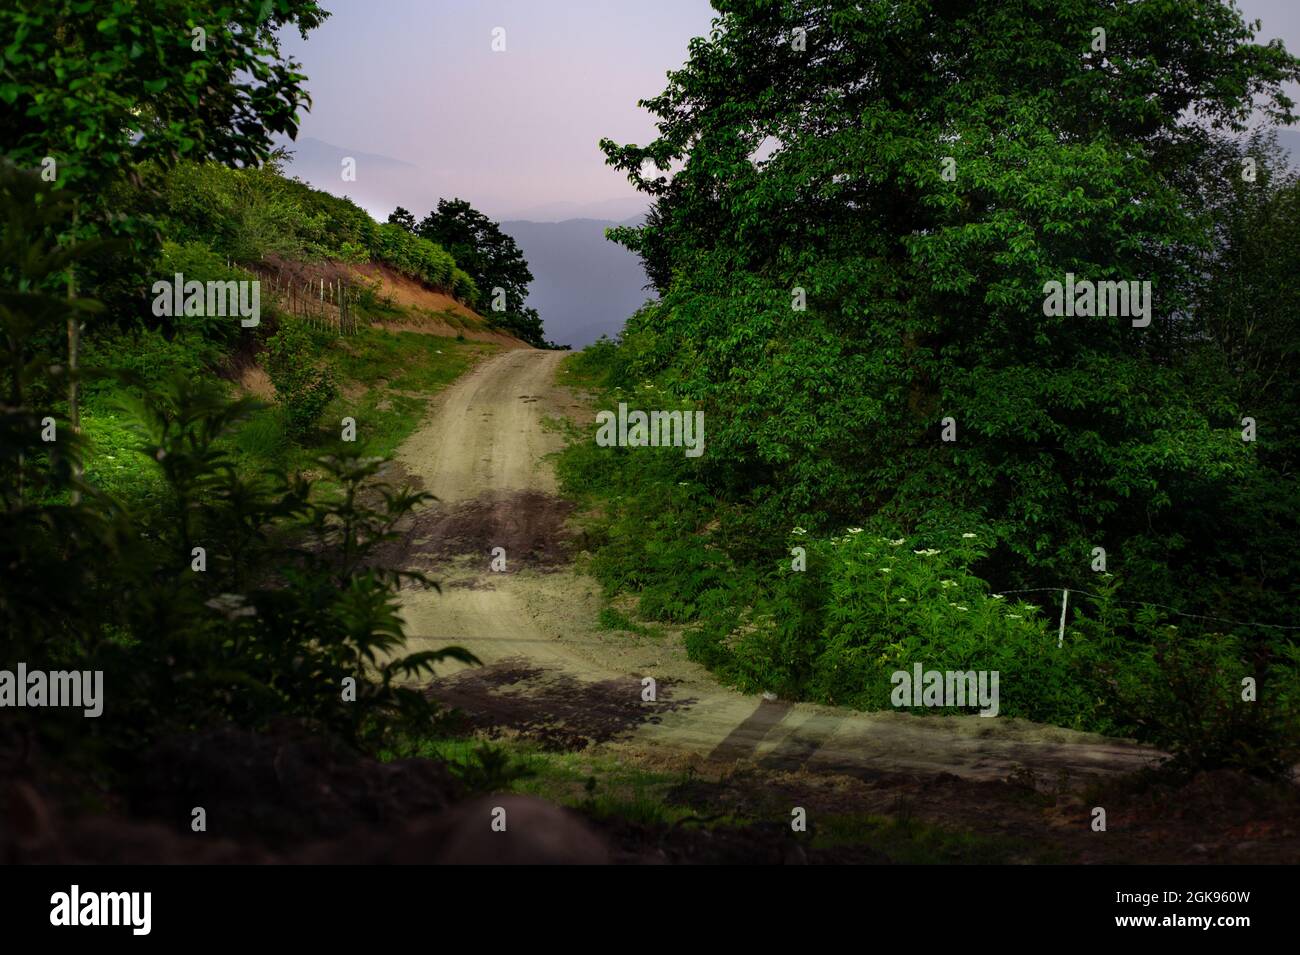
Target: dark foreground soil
x: 289, y: 797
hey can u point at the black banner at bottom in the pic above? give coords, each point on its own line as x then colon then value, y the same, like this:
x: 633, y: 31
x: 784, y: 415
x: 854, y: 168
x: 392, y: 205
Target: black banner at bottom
x: 339, y: 904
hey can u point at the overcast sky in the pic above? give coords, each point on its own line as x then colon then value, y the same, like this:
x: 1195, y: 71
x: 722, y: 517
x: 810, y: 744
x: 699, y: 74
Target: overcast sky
x: 515, y: 132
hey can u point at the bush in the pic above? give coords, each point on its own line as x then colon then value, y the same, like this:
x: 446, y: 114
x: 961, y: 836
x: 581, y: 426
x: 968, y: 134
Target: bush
x: 245, y: 214
x: 147, y: 355
x: 303, y: 386
x: 869, y: 605
x: 1182, y: 689
x: 249, y: 214
x: 197, y: 262
x: 424, y: 260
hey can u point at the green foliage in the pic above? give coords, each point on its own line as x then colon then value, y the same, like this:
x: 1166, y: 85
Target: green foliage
x: 924, y: 295
x: 303, y: 385
x: 490, y: 261
x: 251, y: 214
x: 141, y: 90
x: 276, y: 622
x: 46, y: 589
x: 490, y: 769
x: 1184, y: 691
x: 881, y: 605
x: 599, y: 365
x: 113, y: 463
x: 196, y: 261
x: 414, y: 256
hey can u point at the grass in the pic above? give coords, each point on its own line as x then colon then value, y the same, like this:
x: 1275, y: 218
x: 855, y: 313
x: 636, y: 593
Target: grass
x: 112, y: 462
x: 386, y: 380
x: 613, y: 619
x: 606, y: 788
x: 579, y: 370
x: 399, y: 372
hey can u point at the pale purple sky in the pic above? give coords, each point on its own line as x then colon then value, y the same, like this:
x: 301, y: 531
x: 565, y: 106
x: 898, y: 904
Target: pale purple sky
x: 514, y: 132
x: 418, y: 81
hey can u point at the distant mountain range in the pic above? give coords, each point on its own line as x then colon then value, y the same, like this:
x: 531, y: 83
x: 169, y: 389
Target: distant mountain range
x: 584, y: 286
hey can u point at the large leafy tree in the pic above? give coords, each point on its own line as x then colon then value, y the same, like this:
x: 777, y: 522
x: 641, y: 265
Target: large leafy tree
x: 102, y: 87
x: 916, y: 171
x: 492, y: 259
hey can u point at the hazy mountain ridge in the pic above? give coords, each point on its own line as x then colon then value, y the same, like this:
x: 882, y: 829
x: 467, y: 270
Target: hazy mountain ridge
x: 584, y: 285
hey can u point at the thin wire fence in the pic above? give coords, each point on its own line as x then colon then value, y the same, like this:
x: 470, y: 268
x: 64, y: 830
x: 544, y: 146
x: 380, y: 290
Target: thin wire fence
x: 1146, y: 603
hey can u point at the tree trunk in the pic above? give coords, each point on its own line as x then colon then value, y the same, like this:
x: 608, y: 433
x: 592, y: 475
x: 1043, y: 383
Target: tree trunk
x: 74, y: 349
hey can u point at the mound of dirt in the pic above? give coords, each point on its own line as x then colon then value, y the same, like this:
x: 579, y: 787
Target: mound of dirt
x: 283, y: 788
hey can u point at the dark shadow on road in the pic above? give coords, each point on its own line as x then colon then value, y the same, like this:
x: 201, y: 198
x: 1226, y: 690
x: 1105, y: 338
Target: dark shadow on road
x: 744, y: 740
x: 551, y: 708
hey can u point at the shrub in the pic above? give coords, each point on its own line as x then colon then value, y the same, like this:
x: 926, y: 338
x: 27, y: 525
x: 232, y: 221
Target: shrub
x: 147, y: 355
x: 303, y: 386
x: 246, y: 214
x: 421, y: 259
x: 1182, y: 688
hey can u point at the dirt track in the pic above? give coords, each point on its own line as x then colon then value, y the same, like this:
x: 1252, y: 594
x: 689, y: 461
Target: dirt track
x: 553, y: 675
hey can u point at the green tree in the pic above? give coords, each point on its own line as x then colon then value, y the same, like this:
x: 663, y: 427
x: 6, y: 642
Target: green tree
x: 492, y: 259
x: 916, y: 172
x: 403, y: 217
x: 102, y: 87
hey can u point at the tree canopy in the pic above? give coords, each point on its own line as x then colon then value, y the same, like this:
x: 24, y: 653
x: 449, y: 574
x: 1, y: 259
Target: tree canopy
x: 492, y: 259
x: 858, y: 207
x: 101, y: 88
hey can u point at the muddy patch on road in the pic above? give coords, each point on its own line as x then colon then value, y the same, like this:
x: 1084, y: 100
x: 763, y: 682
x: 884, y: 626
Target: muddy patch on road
x: 530, y: 526
x: 553, y: 709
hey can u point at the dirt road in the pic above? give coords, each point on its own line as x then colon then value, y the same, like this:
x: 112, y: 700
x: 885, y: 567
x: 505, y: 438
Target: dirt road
x: 553, y: 674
